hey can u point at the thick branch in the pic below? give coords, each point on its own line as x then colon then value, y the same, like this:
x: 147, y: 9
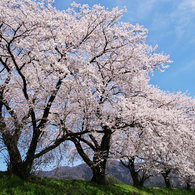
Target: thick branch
x: 81, y: 152
x: 53, y: 146
x: 50, y: 101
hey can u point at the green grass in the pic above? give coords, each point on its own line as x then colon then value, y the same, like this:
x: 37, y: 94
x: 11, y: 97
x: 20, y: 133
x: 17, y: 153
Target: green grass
x: 113, y: 180
x: 47, y: 186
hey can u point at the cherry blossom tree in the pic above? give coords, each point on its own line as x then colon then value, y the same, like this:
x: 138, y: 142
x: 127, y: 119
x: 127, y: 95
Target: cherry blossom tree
x: 187, y: 178
x: 165, y: 142
x: 127, y: 147
x: 33, y: 70
x: 110, y: 83
x: 173, y: 150
x: 187, y: 173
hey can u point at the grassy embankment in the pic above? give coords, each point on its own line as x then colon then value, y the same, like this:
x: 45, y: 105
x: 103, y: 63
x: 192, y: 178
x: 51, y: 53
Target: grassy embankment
x: 47, y: 186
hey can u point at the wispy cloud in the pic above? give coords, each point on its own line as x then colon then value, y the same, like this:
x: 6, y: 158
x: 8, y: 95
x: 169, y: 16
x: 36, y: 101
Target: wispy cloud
x: 183, y: 17
x: 187, y: 5
x: 145, y: 8
x: 189, y: 67
x: 164, y: 18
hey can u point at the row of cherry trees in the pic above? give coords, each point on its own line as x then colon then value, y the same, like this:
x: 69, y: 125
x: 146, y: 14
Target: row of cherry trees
x: 163, y: 146
x: 82, y: 76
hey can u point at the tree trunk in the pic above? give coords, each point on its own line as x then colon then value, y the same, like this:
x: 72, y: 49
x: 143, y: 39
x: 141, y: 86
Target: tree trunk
x: 100, y: 158
x: 166, y: 179
x: 98, y: 165
x: 16, y: 166
x: 27, y: 169
x: 167, y: 182
x: 31, y: 154
x: 133, y: 172
x: 141, y: 183
x: 188, y: 186
x: 98, y: 170
x: 144, y: 177
x: 135, y: 178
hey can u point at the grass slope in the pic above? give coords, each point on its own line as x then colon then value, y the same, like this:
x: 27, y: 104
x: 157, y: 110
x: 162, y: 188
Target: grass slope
x: 47, y: 186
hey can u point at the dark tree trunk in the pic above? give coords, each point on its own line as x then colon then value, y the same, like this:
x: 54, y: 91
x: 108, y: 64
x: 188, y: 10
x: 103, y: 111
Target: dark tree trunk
x: 27, y: 169
x: 134, y: 173
x: 189, y: 186
x: 100, y: 159
x: 98, y: 170
x: 31, y: 154
x: 98, y: 165
x: 167, y: 179
x: 144, y: 177
x: 167, y: 182
x: 141, y: 184
x: 19, y: 169
x: 17, y: 166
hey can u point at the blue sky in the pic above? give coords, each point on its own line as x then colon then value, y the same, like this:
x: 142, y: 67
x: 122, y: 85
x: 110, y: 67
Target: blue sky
x: 171, y: 25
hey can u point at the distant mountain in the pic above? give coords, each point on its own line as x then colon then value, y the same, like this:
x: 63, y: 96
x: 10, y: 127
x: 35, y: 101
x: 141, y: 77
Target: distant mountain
x: 79, y: 172
x: 114, y: 168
